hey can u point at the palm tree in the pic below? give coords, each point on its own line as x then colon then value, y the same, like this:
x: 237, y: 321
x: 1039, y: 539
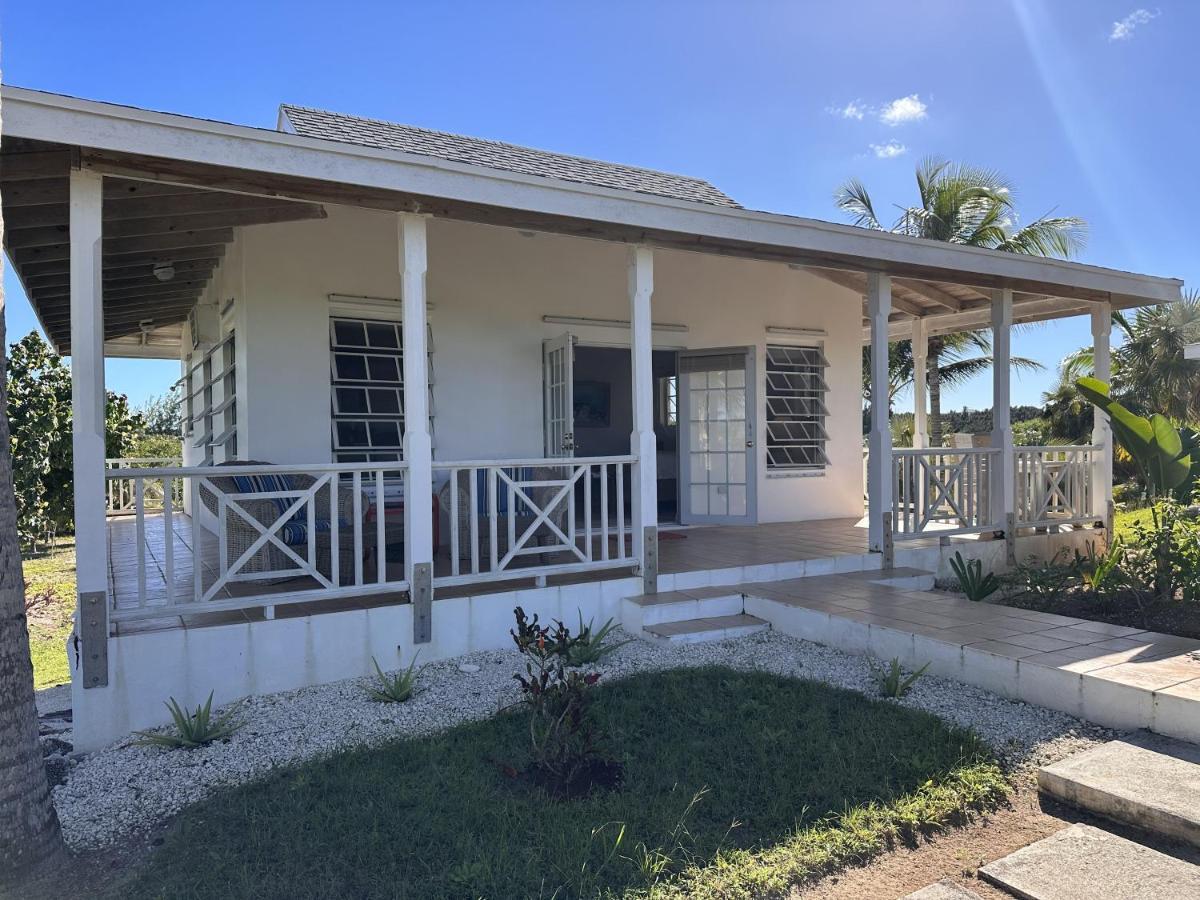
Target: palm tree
x: 29, y: 833
x: 962, y: 204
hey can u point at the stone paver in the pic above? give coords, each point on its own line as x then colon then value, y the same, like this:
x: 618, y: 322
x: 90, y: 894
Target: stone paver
x: 1085, y: 863
x: 1145, y: 780
x: 942, y: 890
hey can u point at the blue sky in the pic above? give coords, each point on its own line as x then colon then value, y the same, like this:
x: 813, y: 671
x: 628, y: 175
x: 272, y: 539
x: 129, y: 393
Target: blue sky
x: 1083, y: 104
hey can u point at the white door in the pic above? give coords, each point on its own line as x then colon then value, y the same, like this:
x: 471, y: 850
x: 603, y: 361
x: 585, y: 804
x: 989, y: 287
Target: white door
x: 558, y: 372
x: 716, y: 412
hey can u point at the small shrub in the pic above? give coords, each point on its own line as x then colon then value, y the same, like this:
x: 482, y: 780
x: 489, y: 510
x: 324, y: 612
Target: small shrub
x: 892, y: 681
x: 592, y: 644
x: 564, y: 741
x: 398, y: 687
x: 971, y: 580
x: 192, y: 730
x: 1101, y: 571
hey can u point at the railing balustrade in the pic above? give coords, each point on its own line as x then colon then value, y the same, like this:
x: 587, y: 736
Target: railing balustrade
x: 246, y: 536
x: 119, y: 499
x: 1054, y: 485
x: 534, y: 517
x: 943, y: 491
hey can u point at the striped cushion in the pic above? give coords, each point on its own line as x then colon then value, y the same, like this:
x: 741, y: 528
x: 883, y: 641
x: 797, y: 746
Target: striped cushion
x: 296, y: 531
x: 503, y: 491
x: 261, y: 484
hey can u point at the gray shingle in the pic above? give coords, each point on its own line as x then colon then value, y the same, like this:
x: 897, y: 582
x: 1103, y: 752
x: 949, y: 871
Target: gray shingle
x: 332, y: 126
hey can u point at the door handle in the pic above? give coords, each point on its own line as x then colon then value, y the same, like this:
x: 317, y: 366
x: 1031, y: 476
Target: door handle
x: 749, y: 443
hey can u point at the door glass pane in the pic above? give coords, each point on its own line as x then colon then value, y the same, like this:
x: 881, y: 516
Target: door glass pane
x: 737, y: 468
x: 699, y: 468
x: 717, y: 500
x: 718, y: 468
x: 717, y: 465
x: 737, y: 499
x: 700, y: 499
x: 717, y: 432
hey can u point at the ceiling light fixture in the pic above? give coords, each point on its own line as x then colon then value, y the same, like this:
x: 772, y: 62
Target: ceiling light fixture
x: 164, y: 271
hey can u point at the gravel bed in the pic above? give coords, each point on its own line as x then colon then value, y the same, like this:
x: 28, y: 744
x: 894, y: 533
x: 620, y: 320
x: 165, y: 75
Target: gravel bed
x: 126, y: 789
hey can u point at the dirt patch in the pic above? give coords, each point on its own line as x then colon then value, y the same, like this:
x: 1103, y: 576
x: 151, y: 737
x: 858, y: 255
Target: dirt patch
x: 959, y: 854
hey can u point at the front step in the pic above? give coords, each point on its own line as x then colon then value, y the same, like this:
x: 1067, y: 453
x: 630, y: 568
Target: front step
x: 1145, y: 780
x: 902, y: 578
x: 1085, y: 863
x: 713, y: 628
x: 679, y: 606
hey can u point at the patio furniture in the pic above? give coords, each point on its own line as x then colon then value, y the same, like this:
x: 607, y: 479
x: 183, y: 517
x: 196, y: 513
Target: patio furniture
x: 240, y: 534
x: 525, y: 515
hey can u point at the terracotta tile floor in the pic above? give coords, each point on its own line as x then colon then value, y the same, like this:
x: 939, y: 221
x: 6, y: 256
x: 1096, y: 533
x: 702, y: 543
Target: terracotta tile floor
x: 1143, y: 659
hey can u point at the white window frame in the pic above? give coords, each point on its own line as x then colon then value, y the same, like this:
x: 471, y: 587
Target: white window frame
x: 210, y: 388
x: 789, y: 387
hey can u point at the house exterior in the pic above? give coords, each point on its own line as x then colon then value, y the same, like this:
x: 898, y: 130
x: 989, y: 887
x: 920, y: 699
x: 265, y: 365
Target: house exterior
x: 428, y: 377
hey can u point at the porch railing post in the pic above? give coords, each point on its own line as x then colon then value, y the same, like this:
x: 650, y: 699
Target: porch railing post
x: 642, y: 443
x: 920, y: 356
x: 879, y: 461
x: 87, y: 407
x: 1102, y: 438
x: 1004, y: 479
x: 418, y: 447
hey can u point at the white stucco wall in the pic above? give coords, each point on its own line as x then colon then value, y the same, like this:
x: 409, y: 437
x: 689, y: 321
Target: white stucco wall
x: 490, y: 288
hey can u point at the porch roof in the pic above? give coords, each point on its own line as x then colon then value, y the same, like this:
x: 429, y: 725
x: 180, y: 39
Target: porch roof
x: 276, y: 176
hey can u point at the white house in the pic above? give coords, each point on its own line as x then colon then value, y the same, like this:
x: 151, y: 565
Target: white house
x: 460, y: 375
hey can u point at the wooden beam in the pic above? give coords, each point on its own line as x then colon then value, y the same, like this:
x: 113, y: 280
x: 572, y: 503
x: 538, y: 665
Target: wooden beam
x: 856, y: 282
x: 932, y: 293
x: 36, y: 164
x: 154, y: 287
x: 165, y: 309
x: 131, y: 261
x: 127, y: 246
x: 151, y: 209
x: 142, y: 272
x: 36, y: 191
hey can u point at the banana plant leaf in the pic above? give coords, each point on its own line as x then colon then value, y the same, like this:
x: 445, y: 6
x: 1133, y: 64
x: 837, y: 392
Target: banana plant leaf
x: 1154, y: 443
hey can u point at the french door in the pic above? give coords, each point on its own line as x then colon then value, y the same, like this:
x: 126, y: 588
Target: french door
x: 558, y: 406
x: 716, y: 412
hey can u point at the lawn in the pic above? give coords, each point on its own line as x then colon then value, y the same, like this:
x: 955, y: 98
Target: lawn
x: 778, y: 777
x: 50, y: 584
x: 1125, y: 519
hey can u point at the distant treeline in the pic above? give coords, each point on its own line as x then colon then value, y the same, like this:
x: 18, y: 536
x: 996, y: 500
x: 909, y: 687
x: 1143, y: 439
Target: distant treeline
x: 972, y: 421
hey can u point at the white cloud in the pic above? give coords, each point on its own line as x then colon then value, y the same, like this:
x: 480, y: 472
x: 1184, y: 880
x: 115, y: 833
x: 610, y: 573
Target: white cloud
x: 1123, y: 30
x: 890, y: 150
x: 903, y: 109
x: 852, y: 110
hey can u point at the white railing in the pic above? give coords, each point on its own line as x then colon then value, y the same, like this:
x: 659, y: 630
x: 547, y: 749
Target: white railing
x: 522, y: 518
x: 119, y: 491
x: 251, y: 536
x: 1054, y: 485
x: 943, y: 491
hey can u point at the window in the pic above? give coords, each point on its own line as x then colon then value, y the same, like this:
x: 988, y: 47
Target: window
x: 367, y: 378
x: 668, y: 400
x: 211, y: 403
x: 796, y: 410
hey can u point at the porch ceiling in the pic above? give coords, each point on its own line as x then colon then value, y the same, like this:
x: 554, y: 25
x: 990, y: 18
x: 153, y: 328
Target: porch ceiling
x: 145, y: 223
x: 150, y: 158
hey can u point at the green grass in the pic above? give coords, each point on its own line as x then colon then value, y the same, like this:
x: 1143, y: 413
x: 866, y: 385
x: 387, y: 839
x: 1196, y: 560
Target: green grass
x: 50, y: 627
x: 733, y: 781
x: 1125, y: 519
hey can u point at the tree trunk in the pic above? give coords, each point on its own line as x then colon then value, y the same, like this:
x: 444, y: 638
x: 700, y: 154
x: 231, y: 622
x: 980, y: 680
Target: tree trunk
x: 933, y: 378
x: 29, y: 833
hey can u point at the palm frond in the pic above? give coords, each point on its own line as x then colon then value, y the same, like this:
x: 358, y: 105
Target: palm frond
x: 852, y: 198
x: 1061, y: 236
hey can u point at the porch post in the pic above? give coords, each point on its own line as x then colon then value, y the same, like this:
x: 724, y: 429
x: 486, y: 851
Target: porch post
x: 920, y: 355
x: 418, y: 448
x: 642, y: 442
x: 87, y: 429
x: 1102, y: 437
x: 879, y: 443
x: 1004, y: 479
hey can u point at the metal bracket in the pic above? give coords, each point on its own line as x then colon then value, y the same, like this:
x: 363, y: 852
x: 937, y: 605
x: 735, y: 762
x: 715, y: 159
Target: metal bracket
x: 421, y: 594
x: 650, y: 559
x: 889, y: 544
x: 93, y: 635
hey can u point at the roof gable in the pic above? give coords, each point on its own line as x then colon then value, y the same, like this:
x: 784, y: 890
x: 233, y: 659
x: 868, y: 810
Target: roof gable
x: 316, y: 123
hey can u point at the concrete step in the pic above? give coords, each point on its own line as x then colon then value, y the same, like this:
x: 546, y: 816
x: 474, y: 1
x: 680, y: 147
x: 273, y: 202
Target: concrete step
x: 679, y: 606
x: 1145, y: 780
x: 942, y: 890
x: 1085, y: 863
x: 902, y: 578
x: 713, y: 628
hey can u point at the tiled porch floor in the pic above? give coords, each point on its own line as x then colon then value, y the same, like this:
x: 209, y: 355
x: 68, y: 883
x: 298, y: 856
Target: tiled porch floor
x: 1161, y: 665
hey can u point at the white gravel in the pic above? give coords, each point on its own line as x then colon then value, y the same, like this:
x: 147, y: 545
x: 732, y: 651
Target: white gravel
x: 127, y: 789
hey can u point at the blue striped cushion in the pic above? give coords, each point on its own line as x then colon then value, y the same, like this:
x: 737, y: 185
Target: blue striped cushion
x: 296, y: 531
x: 502, y: 491
x: 258, y: 484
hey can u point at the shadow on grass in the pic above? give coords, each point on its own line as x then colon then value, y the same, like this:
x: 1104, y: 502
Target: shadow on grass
x: 715, y: 760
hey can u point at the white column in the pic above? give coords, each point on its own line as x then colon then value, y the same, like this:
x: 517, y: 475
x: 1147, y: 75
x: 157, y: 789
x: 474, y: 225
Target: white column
x: 920, y: 355
x: 1101, y: 429
x: 1004, y: 479
x: 642, y: 442
x: 879, y: 442
x: 418, y: 448
x: 87, y: 381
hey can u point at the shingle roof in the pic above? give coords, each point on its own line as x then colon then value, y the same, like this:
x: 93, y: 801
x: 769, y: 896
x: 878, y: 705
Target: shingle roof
x: 333, y: 126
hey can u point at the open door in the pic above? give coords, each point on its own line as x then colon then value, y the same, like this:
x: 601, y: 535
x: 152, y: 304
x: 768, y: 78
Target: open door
x: 558, y: 408
x: 716, y: 414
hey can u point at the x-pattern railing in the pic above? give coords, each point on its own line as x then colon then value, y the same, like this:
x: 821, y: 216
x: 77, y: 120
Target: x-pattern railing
x: 946, y: 491
x: 1054, y: 484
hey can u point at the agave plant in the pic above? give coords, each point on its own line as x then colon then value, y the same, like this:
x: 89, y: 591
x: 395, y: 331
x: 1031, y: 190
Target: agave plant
x: 398, y: 687
x: 593, y: 644
x: 191, y: 730
x: 971, y: 580
x: 891, y: 680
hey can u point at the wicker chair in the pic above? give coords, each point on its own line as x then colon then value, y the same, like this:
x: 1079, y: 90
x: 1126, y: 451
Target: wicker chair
x: 525, y: 516
x: 241, y: 534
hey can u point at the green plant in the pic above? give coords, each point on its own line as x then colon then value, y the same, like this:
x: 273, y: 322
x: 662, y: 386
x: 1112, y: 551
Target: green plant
x: 398, y: 687
x: 592, y: 644
x: 564, y: 741
x: 971, y: 580
x: 891, y: 680
x: 1039, y: 581
x: 1100, y: 571
x: 192, y: 730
